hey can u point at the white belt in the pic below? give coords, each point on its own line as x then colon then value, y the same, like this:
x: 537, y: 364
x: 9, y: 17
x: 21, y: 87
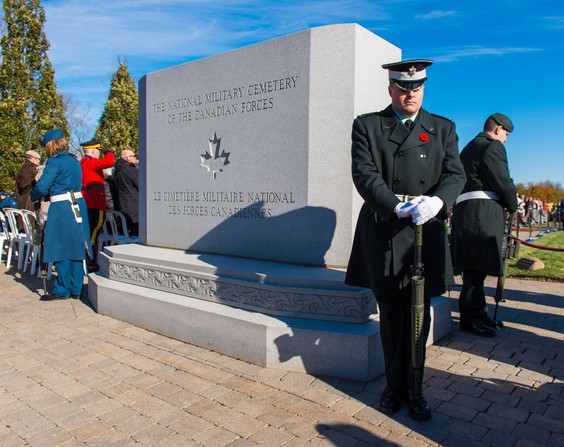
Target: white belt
x: 488, y: 195
x: 65, y: 196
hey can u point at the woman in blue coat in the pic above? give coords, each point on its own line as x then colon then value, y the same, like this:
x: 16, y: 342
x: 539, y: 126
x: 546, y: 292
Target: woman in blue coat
x: 67, y: 234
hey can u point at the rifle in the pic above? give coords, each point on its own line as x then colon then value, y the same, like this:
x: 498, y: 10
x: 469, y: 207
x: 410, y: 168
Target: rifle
x: 506, y: 248
x: 417, y: 313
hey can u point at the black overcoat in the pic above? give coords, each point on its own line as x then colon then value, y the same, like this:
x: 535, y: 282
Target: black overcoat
x: 387, y: 160
x: 126, y: 178
x: 478, y: 224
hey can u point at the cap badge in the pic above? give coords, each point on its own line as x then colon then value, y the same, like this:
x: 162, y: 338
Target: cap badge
x: 412, y: 71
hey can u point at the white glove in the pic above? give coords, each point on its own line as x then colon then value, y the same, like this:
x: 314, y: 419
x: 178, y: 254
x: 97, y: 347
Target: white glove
x: 403, y: 209
x: 425, y: 210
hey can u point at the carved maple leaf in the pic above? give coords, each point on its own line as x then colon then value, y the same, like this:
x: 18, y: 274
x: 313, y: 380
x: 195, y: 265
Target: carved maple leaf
x: 212, y: 160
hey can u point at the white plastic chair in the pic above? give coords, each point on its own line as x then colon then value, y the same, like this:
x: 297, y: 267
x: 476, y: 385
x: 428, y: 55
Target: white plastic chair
x: 18, y: 239
x: 4, y: 233
x: 32, y: 245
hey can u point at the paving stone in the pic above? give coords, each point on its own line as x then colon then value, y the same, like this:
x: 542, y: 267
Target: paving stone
x: 458, y: 412
x: 134, y: 424
x: 152, y: 435
x: 332, y: 437
x: 504, y: 411
x: 495, y: 423
x: 470, y: 402
x: 244, y: 426
x: 215, y: 437
x: 532, y: 433
x: 300, y: 427
x: 547, y: 423
x: 499, y: 439
x: 176, y: 440
x: 455, y: 440
x: 348, y: 406
x: 52, y: 437
x: 271, y: 437
x: 91, y: 430
x: 190, y: 426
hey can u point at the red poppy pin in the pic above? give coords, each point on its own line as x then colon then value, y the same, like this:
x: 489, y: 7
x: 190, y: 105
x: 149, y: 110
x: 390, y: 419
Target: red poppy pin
x: 424, y: 137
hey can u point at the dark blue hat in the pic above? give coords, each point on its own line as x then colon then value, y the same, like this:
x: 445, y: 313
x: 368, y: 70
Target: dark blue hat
x: 51, y: 135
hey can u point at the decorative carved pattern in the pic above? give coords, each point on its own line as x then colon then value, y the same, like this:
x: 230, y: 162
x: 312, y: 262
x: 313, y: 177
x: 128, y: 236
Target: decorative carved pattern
x: 274, y: 300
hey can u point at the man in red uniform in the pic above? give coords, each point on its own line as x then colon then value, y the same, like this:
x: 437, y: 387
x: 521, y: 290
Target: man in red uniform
x: 93, y: 190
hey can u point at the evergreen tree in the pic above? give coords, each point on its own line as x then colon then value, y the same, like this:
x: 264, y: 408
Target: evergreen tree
x: 118, y: 128
x: 29, y: 102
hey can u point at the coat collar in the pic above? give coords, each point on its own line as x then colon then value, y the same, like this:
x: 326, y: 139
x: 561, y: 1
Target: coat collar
x: 398, y: 133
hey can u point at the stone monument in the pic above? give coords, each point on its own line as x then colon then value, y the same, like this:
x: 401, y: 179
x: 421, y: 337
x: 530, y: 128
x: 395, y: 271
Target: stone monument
x: 247, y: 208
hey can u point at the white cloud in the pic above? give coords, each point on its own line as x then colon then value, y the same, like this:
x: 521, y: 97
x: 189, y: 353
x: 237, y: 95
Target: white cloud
x: 433, y: 15
x: 556, y: 22
x: 478, y: 51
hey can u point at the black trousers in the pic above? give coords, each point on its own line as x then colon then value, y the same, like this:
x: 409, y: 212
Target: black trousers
x: 96, y: 219
x: 395, y: 332
x: 472, y: 302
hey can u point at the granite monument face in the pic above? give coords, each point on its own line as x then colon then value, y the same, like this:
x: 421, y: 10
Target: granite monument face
x: 247, y: 153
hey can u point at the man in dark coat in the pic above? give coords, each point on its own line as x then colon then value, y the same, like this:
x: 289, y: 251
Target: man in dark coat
x: 25, y: 180
x: 478, y: 221
x: 391, y: 164
x: 126, y: 177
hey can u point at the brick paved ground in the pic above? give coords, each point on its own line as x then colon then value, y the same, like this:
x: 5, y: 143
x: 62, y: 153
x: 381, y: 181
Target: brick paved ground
x: 70, y: 377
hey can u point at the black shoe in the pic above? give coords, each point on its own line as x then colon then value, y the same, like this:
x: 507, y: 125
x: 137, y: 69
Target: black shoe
x: 390, y: 402
x: 75, y: 297
x: 479, y: 329
x: 490, y: 322
x: 419, y: 409
x: 49, y: 297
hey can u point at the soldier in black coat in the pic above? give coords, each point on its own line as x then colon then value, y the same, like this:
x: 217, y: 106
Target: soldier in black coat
x: 478, y: 221
x: 406, y: 167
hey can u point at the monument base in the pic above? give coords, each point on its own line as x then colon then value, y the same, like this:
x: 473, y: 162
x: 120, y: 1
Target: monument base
x: 315, y: 345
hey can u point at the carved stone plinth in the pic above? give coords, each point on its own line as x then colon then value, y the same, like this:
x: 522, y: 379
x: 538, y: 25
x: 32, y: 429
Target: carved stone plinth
x: 267, y: 287
x: 302, y: 319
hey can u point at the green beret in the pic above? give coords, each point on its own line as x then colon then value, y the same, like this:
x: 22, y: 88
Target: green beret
x: 503, y: 121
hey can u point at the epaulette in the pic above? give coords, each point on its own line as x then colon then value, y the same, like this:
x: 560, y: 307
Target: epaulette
x: 442, y: 117
x: 368, y: 114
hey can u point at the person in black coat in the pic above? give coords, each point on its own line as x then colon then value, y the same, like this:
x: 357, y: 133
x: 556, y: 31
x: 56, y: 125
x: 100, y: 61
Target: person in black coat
x: 478, y: 221
x: 126, y: 178
x: 406, y: 167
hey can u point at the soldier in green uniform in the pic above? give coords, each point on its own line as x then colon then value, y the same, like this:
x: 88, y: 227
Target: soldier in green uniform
x: 478, y: 221
x: 406, y: 167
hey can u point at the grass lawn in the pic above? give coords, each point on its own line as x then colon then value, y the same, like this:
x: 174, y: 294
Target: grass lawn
x: 553, y: 260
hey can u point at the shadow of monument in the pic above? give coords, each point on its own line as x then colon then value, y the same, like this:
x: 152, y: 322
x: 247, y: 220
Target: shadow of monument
x: 307, y: 231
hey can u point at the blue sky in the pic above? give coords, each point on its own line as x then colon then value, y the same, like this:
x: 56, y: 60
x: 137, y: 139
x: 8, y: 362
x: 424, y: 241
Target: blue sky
x: 490, y: 56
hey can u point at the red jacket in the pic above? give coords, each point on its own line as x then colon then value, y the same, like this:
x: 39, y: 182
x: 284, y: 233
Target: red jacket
x: 93, y: 180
